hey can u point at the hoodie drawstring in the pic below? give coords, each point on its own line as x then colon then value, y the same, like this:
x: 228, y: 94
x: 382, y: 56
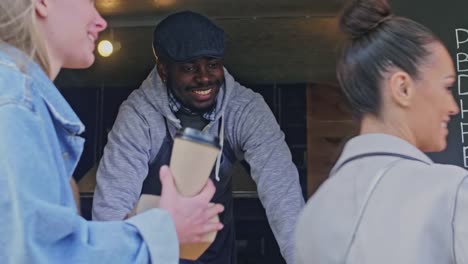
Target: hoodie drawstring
x: 220, y: 154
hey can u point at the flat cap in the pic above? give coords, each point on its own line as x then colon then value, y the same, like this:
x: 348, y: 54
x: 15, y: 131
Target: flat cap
x: 187, y: 35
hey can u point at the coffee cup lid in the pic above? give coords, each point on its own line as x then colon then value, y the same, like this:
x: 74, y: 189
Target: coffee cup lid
x: 198, y: 136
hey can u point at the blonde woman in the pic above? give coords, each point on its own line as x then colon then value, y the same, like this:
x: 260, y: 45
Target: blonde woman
x: 40, y: 146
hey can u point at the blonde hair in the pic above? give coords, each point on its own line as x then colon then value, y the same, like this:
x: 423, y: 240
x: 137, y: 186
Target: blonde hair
x: 18, y: 28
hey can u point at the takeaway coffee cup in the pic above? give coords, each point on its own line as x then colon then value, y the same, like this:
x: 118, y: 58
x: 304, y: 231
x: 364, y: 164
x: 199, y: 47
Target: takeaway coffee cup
x: 193, y: 155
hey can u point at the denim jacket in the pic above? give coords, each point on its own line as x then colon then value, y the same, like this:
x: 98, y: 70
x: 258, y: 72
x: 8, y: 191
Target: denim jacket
x: 39, y: 149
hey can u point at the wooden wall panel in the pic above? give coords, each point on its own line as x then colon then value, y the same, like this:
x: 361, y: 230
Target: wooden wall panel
x: 258, y: 51
x: 329, y: 125
x: 219, y: 8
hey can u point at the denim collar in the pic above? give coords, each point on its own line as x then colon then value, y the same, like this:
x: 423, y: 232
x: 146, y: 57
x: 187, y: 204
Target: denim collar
x: 59, y: 108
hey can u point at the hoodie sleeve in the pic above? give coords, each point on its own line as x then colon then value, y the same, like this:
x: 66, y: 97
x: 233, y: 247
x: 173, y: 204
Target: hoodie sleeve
x: 272, y: 169
x: 123, y: 167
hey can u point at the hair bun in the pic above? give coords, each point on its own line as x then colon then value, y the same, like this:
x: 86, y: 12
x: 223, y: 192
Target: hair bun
x: 361, y: 16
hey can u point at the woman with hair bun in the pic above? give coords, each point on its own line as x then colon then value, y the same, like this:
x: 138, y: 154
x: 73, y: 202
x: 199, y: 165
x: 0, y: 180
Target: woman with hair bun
x: 385, y: 200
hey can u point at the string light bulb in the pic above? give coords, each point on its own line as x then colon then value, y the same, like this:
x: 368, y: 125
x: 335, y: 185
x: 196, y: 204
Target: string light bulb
x: 105, y: 48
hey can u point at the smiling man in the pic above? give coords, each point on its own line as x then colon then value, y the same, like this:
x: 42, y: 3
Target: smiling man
x: 190, y: 87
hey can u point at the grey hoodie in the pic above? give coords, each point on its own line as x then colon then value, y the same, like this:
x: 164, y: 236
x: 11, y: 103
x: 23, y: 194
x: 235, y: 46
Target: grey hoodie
x: 249, y: 127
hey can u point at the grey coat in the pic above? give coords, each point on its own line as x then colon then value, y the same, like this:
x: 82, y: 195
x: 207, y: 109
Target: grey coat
x: 417, y: 213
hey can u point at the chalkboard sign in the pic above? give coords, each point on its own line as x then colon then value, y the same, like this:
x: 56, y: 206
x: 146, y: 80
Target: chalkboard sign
x: 448, y: 19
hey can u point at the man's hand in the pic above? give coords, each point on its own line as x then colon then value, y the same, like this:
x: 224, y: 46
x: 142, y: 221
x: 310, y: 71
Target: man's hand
x: 193, y: 216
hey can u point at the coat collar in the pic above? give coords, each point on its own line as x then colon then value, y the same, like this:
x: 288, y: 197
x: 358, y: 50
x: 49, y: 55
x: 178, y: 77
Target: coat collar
x: 380, y: 143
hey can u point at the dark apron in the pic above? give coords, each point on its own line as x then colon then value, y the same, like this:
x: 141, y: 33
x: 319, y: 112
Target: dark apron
x: 222, y: 250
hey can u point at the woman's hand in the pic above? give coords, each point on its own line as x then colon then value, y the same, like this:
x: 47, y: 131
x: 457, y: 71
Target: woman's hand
x: 193, y: 216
